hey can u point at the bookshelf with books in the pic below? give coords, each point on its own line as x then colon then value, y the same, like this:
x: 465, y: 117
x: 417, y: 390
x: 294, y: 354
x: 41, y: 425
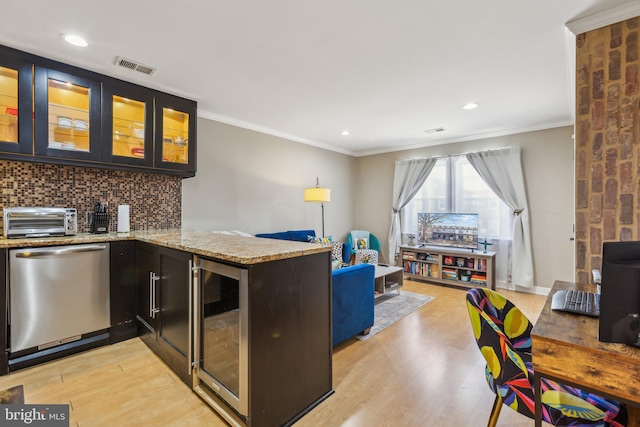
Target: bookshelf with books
x: 449, y: 266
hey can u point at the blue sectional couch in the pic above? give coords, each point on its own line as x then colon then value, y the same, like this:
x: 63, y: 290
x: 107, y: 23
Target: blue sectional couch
x: 352, y: 291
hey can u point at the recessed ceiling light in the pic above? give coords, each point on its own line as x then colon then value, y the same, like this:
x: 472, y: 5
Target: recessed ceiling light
x: 75, y: 40
x: 471, y: 106
x: 345, y: 133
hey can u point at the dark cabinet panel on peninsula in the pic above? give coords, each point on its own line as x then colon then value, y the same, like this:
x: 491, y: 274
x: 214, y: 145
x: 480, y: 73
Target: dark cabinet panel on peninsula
x: 162, y: 304
x: 273, y: 317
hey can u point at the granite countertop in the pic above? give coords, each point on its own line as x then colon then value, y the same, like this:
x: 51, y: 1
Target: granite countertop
x: 232, y: 248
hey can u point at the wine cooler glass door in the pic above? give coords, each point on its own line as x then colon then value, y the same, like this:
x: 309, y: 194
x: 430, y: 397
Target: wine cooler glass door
x: 221, y: 341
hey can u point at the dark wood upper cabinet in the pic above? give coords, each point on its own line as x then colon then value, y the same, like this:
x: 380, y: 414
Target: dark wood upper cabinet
x: 16, y: 110
x: 67, y: 119
x: 127, y: 124
x: 175, y: 133
x: 82, y: 118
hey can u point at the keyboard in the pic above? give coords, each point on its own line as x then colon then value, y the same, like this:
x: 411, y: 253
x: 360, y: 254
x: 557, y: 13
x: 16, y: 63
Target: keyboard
x: 579, y: 302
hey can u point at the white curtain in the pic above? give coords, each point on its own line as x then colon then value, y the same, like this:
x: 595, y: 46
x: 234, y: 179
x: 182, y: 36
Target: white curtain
x: 502, y: 171
x: 408, y: 178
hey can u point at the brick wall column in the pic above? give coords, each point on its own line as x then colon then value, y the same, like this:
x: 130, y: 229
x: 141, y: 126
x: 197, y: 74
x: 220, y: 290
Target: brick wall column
x: 607, y: 141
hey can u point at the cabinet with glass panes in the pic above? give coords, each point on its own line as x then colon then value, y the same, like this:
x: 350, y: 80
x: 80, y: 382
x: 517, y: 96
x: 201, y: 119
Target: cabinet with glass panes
x: 133, y: 135
x: 56, y: 113
x: 67, y: 111
x: 176, y: 126
x: 127, y: 124
x: 15, y: 106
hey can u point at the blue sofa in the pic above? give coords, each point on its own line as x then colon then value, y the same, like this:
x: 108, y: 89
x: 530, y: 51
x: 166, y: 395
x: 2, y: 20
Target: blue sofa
x: 352, y: 291
x: 303, y: 236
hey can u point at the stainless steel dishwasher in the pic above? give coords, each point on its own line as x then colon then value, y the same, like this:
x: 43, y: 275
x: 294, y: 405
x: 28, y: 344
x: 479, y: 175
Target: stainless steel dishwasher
x: 57, y: 294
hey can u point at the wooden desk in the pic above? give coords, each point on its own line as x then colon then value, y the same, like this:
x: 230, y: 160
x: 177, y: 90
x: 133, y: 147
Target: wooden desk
x: 565, y: 348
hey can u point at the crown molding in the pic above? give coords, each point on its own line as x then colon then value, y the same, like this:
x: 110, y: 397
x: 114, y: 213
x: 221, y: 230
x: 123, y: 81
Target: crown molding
x: 602, y: 19
x: 470, y: 137
x: 262, y: 129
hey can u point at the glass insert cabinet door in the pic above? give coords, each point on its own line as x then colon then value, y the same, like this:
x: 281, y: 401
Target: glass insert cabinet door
x: 175, y: 136
x: 175, y: 119
x: 67, y: 115
x: 127, y: 124
x: 128, y: 127
x: 15, y: 107
x: 8, y: 105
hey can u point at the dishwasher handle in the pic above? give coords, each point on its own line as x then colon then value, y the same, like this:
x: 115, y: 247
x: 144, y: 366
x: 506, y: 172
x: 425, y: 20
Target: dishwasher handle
x: 41, y: 252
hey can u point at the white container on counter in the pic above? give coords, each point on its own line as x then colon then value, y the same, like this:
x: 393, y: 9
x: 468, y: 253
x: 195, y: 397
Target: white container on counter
x: 123, y: 219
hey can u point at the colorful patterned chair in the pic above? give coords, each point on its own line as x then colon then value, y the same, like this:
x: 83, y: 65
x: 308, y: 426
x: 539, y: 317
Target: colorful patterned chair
x: 503, y: 334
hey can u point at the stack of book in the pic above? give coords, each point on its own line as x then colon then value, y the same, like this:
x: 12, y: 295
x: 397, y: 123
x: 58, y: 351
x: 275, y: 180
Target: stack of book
x: 479, y: 279
x: 449, y: 273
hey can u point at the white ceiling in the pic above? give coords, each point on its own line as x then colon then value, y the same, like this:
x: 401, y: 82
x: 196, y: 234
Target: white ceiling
x: 306, y: 70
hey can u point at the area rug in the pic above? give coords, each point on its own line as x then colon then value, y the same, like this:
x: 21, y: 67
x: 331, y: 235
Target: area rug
x: 13, y: 395
x: 393, y: 307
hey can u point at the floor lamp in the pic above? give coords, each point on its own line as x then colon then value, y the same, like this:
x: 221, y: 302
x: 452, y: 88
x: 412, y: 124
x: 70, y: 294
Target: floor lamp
x: 317, y: 194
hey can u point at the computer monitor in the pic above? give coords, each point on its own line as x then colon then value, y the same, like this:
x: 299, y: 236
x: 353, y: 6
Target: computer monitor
x: 620, y: 293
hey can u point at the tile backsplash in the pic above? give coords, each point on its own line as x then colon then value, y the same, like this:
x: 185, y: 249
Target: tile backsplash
x: 155, y: 200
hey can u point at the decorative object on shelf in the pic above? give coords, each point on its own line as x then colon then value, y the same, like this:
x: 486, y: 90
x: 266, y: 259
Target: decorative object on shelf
x: 318, y: 195
x: 485, y: 244
x: 412, y: 238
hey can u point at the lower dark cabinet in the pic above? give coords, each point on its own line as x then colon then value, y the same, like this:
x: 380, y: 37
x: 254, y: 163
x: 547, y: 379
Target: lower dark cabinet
x: 162, y: 304
x: 122, y: 292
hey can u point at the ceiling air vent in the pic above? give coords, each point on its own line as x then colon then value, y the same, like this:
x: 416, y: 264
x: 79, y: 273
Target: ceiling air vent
x: 135, y: 66
x: 434, y: 130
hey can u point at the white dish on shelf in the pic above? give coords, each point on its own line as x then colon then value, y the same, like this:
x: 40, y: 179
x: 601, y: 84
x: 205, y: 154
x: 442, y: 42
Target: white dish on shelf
x: 81, y: 124
x: 64, y: 122
x: 139, y: 133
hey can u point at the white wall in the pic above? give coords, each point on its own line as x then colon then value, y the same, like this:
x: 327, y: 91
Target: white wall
x: 547, y: 160
x: 254, y: 182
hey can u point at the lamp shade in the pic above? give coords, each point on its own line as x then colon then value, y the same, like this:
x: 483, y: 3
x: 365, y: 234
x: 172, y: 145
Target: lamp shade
x: 317, y: 194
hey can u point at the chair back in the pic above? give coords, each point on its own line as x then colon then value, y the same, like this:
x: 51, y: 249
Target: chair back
x: 503, y: 335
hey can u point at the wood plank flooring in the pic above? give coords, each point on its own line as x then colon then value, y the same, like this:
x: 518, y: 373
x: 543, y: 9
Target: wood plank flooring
x: 425, y: 370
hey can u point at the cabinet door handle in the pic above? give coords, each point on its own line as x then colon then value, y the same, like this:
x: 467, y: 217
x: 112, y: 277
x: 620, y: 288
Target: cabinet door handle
x: 192, y: 272
x: 153, y: 278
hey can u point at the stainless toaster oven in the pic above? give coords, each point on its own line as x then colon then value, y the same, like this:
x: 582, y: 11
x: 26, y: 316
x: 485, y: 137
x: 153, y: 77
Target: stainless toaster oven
x: 39, y: 222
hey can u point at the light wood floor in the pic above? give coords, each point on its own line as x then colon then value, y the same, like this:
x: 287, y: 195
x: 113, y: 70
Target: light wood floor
x: 425, y: 370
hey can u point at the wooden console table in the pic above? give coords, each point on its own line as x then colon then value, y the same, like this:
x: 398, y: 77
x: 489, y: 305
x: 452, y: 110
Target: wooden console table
x: 565, y: 348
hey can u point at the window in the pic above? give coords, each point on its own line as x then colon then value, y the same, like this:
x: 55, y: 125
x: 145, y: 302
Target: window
x: 454, y: 186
